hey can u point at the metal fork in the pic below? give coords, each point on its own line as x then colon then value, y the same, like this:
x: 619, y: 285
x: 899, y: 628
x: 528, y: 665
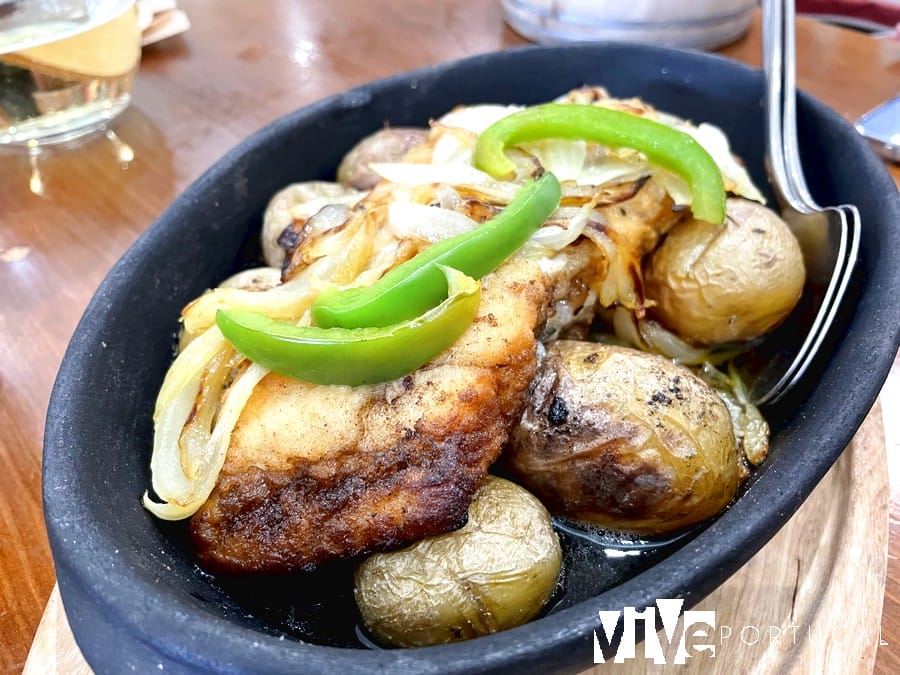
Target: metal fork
x: 829, y: 236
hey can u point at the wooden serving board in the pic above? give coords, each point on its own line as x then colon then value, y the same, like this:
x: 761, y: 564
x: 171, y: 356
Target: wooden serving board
x: 809, y: 602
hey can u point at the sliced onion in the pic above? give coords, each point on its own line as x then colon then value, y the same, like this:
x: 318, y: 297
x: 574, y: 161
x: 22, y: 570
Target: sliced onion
x: 455, y: 134
x: 626, y: 330
x: 563, y: 158
x: 467, y: 180
x: 310, y: 208
x: 297, y: 203
x: 254, y: 279
x: 676, y: 186
x: 344, y: 253
x: 619, y: 284
x: 477, y: 118
x: 197, y: 429
x: 651, y: 336
x: 182, y: 495
x: 388, y: 257
x: 665, y: 342
x: 167, y: 473
x: 431, y: 223
x: 177, y: 400
x: 554, y: 237
x: 450, y: 173
x: 751, y: 430
x: 448, y: 198
x: 453, y: 146
x: 187, y: 369
x: 282, y: 303
x: 714, y: 140
x: 613, y: 170
x: 326, y: 219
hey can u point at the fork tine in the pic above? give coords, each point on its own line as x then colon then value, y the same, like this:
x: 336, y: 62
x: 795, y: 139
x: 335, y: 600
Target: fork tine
x: 837, y: 287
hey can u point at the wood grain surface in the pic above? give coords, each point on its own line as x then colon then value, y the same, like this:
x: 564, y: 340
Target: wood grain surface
x: 240, y: 66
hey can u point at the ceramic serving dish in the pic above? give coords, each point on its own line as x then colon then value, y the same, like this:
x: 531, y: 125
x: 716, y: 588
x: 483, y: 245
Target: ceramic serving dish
x: 133, y: 593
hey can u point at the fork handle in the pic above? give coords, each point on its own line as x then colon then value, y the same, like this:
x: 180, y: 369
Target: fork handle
x: 779, y: 62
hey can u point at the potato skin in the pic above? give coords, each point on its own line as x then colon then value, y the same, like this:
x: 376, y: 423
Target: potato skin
x: 385, y: 145
x: 285, y: 207
x: 625, y: 440
x: 495, y: 572
x: 724, y: 283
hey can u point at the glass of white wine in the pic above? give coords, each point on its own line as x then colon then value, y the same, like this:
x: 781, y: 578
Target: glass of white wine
x: 67, y: 67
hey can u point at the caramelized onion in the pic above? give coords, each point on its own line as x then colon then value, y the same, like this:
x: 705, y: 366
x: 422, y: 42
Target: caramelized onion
x: 184, y: 494
x: 428, y: 223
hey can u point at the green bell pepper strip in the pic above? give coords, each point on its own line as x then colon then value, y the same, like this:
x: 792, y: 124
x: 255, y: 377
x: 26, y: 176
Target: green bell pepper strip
x: 663, y: 145
x: 354, y: 356
x: 415, y: 286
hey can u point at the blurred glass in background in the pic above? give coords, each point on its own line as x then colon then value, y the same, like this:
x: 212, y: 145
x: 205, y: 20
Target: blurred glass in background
x: 67, y: 67
x: 697, y: 24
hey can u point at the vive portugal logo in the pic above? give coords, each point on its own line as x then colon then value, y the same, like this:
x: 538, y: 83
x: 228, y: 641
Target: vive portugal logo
x: 694, y: 632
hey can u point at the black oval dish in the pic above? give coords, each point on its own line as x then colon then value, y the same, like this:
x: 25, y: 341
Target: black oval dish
x: 133, y: 595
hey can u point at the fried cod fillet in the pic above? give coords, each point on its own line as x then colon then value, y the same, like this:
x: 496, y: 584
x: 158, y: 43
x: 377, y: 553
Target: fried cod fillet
x: 316, y: 473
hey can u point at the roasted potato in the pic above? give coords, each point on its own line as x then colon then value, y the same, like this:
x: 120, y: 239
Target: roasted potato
x: 623, y: 439
x: 733, y: 282
x: 386, y: 145
x: 495, y: 572
x: 294, y: 205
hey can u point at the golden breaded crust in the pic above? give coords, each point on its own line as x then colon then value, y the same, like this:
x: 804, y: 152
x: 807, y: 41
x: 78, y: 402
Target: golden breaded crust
x: 316, y: 473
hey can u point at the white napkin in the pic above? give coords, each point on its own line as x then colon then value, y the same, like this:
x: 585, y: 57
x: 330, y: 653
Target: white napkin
x: 160, y: 19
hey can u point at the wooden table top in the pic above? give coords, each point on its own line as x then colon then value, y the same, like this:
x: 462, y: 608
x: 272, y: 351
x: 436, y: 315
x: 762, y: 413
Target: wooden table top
x: 239, y: 67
